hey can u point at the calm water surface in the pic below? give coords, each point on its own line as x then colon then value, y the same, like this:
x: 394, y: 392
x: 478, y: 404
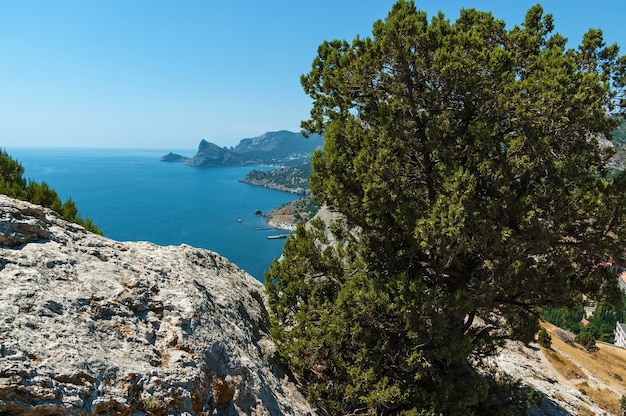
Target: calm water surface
x: 132, y: 196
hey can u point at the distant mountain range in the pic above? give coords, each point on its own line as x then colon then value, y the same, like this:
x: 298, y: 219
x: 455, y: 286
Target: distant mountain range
x: 283, y: 147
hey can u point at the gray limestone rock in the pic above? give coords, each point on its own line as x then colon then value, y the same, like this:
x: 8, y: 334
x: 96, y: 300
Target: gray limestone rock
x: 89, y: 325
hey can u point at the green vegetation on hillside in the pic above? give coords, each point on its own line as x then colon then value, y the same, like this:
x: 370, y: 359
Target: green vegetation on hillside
x: 299, y: 211
x: 13, y: 184
x: 465, y: 161
x: 601, y: 322
x: 290, y: 179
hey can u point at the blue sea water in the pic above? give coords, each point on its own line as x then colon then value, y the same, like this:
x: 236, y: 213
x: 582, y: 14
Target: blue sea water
x: 132, y: 196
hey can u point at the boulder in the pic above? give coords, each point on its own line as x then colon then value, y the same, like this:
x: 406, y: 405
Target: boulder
x: 89, y: 325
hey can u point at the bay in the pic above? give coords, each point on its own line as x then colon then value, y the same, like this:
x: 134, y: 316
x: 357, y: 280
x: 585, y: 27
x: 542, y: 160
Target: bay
x: 132, y: 196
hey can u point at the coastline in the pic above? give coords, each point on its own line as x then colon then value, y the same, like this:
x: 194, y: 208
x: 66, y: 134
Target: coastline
x: 288, y: 216
x: 282, y: 225
x: 275, y: 187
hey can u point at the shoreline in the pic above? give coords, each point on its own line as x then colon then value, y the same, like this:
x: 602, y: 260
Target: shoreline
x: 282, y: 225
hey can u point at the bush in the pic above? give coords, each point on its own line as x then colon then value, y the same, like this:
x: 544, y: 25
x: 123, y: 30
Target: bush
x: 13, y: 184
x: 544, y: 339
x: 587, y: 340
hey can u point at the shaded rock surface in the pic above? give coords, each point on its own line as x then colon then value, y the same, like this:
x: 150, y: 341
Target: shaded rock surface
x: 89, y: 325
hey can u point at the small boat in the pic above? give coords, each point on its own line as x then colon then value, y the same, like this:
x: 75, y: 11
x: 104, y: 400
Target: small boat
x: 276, y: 237
x: 239, y: 220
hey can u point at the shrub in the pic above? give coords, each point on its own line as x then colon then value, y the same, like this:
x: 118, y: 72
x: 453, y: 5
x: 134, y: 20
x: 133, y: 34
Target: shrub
x: 13, y: 184
x: 587, y: 340
x: 544, y: 339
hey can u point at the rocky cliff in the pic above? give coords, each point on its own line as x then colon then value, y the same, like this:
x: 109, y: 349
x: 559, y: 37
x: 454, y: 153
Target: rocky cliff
x: 93, y: 326
x: 173, y: 157
x: 279, y: 147
x: 211, y: 155
x: 272, y: 148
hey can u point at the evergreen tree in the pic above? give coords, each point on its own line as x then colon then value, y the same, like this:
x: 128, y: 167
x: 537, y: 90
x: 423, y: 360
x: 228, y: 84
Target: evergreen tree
x: 587, y: 340
x: 544, y: 339
x: 466, y: 162
x: 13, y: 184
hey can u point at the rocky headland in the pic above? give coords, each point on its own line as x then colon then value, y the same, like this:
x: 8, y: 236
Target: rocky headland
x: 211, y: 155
x: 89, y: 325
x: 173, y: 157
x: 284, y: 148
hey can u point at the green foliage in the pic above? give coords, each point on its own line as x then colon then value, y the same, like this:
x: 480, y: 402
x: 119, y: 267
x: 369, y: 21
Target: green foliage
x: 544, y: 339
x: 566, y: 318
x: 587, y: 340
x: 14, y: 185
x: 291, y: 179
x: 601, y: 323
x: 465, y: 161
x: 302, y: 210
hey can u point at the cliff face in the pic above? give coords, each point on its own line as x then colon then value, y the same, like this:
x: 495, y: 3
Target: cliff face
x: 211, y: 155
x: 89, y: 325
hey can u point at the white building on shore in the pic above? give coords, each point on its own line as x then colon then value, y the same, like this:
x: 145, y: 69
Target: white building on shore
x: 620, y: 334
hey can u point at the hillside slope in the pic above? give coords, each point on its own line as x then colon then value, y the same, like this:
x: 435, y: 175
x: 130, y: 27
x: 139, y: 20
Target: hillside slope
x: 574, y: 381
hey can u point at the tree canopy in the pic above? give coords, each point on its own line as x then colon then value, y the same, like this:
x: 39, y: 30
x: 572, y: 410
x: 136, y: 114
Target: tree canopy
x: 469, y: 163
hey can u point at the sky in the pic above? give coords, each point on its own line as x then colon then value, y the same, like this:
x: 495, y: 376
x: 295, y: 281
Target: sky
x: 166, y: 74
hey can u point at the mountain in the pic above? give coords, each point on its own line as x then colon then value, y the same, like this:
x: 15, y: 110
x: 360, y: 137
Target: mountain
x: 273, y: 148
x: 279, y: 147
x: 94, y: 326
x: 211, y: 155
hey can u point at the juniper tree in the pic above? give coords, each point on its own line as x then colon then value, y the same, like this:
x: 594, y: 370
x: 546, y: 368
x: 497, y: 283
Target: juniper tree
x: 469, y: 162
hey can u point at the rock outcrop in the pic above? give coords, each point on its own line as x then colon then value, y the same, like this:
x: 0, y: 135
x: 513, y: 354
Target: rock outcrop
x: 174, y: 157
x: 211, y: 155
x: 89, y: 325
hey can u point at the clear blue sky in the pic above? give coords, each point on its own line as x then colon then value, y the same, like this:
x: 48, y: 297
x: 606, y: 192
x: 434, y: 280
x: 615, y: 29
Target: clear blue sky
x: 166, y: 74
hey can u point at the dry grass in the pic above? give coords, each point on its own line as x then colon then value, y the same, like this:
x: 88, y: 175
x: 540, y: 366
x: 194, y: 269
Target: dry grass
x: 583, y: 411
x: 599, y: 375
x: 565, y: 366
x: 603, y: 397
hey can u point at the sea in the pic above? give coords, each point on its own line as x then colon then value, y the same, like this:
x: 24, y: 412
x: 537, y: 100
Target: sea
x: 132, y: 196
